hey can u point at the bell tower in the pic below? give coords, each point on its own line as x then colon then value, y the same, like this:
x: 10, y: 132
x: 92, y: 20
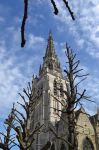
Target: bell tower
x: 49, y: 87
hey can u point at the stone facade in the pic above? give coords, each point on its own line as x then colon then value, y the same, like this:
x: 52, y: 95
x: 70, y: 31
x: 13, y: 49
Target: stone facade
x: 48, y: 91
x: 85, y: 130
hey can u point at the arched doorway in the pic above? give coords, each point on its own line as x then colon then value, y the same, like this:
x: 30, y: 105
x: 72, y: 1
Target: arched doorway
x: 63, y: 147
x: 53, y: 147
x: 87, y: 144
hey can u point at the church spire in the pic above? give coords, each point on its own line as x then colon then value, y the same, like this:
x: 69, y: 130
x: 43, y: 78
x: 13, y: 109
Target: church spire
x: 50, y: 50
x: 50, y: 60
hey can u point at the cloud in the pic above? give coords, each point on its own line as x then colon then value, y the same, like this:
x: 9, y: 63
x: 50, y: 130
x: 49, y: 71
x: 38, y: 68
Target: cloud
x: 85, y: 29
x: 35, y: 40
x: 17, y: 65
x: 9, y: 75
x: 91, y: 84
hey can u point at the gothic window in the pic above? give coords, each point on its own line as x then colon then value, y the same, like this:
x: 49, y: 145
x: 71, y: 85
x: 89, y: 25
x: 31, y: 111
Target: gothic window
x: 55, y: 87
x: 63, y: 147
x: 53, y: 147
x: 61, y: 90
x: 87, y: 144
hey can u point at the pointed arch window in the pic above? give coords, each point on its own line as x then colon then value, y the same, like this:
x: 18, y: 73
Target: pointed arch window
x: 55, y: 87
x: 61, y: 90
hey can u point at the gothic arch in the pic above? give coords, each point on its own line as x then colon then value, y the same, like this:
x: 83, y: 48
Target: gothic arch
x: 87, y: 144
x: 63, y: 147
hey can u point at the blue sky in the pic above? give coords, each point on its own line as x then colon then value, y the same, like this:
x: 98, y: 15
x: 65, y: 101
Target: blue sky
x: 17, y: 65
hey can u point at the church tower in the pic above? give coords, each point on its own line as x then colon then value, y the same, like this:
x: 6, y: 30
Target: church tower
x: 49, y: 98
x: 49, y: 86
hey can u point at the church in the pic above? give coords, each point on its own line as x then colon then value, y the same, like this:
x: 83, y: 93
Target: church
x: 46, y: 113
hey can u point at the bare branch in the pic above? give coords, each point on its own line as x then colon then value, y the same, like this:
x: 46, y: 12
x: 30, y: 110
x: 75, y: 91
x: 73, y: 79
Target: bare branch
x: 69, y: 9
x: 54, y: 6
x: 24, y: 22
x: 58, y: 137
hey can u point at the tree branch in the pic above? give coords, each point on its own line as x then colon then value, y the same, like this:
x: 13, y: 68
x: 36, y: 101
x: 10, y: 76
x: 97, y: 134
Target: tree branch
x: 23, y: 41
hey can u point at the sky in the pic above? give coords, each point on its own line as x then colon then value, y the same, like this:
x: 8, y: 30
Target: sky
x: 17, y: 65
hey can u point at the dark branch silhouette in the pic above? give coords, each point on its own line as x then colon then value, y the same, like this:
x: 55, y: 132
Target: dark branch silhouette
x: 67, y: 6
x: 69, y: 9
x: 25, y: 16
x: 7, y: 141
x: 21, y: 124
x: 74, y: 97
x: 55, y: 7
x: 23, y: 40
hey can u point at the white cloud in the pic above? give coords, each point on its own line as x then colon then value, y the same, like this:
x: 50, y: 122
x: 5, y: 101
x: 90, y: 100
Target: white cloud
x: 34, y: 40
x: 15, y: 73
x: 85, y: 28
x: 91, y: 84
x: 9, y: 75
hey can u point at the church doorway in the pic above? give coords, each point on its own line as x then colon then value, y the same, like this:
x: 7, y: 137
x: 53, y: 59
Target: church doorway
x: 87, y: 144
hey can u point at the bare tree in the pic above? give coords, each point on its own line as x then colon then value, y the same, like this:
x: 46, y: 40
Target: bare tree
x: 19, y: 121
x: 74, y: 97
x: 46, y: 146
x: 21, y: 125
x: 7, y: 140
x: 25, y: 16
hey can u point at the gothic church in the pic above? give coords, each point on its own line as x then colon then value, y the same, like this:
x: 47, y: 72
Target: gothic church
x: 50, y: 78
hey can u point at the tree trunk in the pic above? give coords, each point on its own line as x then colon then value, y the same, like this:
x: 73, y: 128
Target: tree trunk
x: 72, y: 132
